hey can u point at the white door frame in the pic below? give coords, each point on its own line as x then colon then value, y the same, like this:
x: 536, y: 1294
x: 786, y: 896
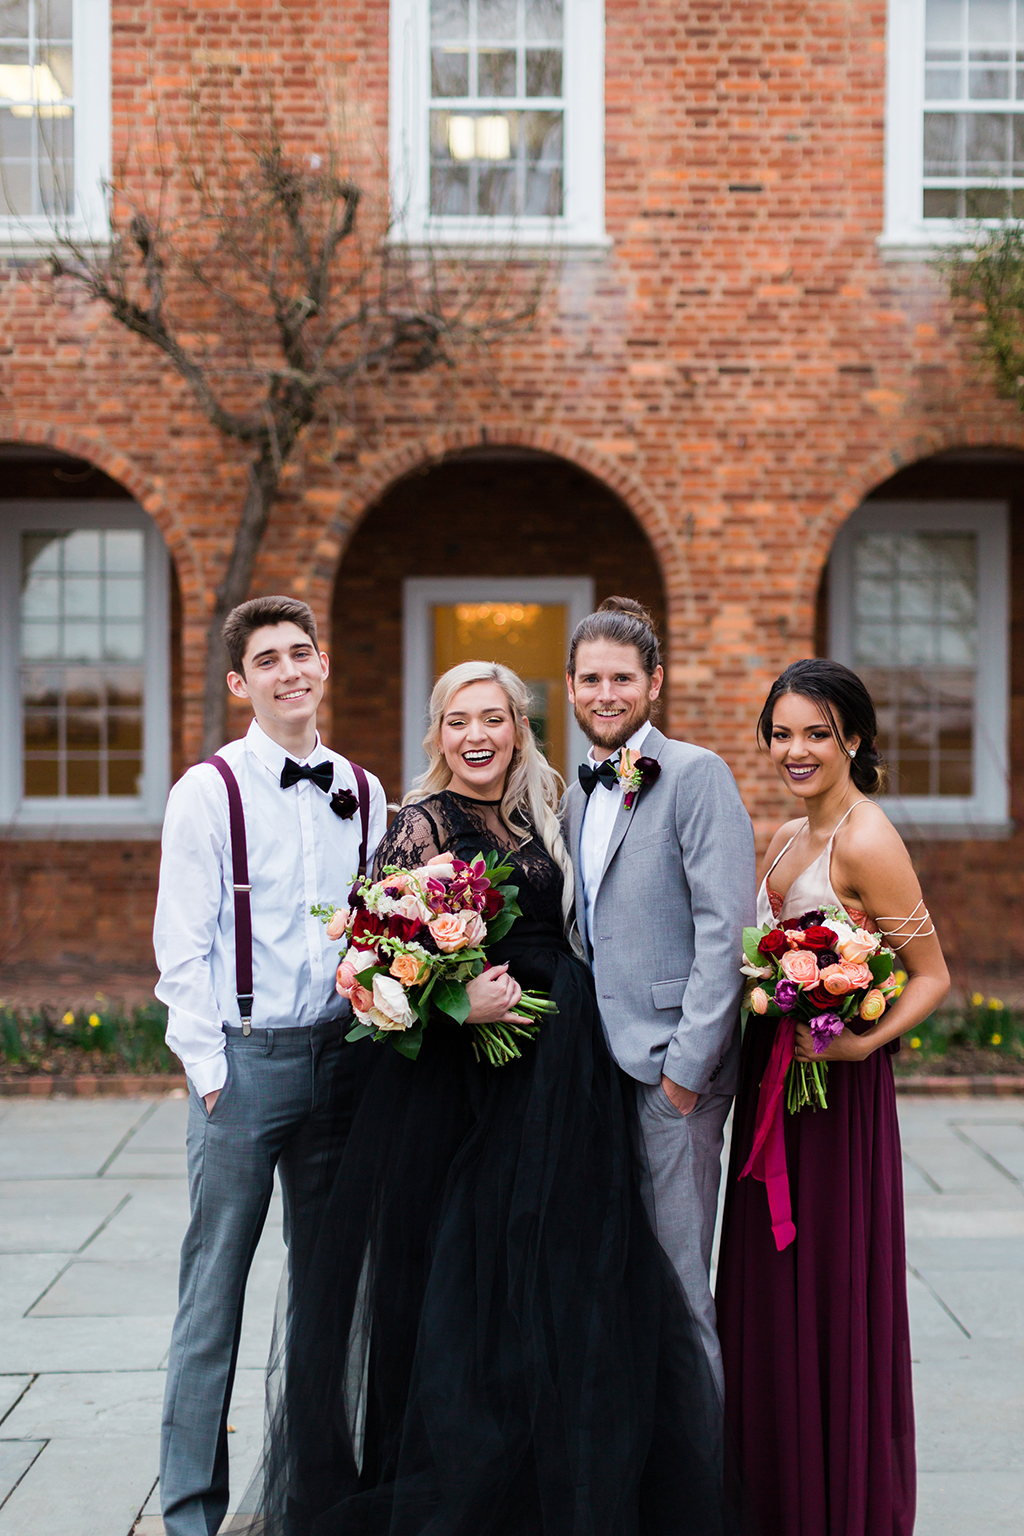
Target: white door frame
x: 422, y: 593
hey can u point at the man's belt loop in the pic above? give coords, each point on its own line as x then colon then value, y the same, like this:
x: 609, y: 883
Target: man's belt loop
x: 242, y: 888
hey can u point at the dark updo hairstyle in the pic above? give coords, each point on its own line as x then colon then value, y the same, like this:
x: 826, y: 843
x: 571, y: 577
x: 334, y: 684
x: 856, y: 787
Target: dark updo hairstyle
x: 837, y: 691
x: 623, y: 621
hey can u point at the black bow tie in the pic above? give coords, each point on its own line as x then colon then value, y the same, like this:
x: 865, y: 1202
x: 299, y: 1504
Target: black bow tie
x: 322, y: 774
x: 590, y: 777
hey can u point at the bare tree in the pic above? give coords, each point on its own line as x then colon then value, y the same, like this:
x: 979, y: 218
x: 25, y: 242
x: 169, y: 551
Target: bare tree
x: 266, y: 279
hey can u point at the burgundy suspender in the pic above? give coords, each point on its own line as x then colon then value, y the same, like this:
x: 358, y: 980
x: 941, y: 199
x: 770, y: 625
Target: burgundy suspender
x: 240, y: 876
x: 243, y: 907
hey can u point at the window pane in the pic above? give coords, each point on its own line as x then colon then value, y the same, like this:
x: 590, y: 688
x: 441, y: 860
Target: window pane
x: 40, y: 642
x: 944, y: 21
x: 41, y: 777
x: 40, y: 598
x: 124, y: 776
x: 988, y: 84
x: 83, y: 776
x: 53, y: 18
x: 496, y: 72
x: 986, y: 143
x: 988, y: 21
x: 941, y: 143
x: 123, y: 597
x: 82, y: 597
x: 82, y: 551
x: 449, y: 71
x: 941, y: 205
x: 544, y: 72
x: 943, y: 84
x: 82, y: 641
x: 496, y: 19
x: 123, y: 551
x: 544, y: 20
x: 13, y: 18
x: 449, y: 18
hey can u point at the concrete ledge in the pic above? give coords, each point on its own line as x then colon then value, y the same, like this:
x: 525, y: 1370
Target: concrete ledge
x: 83, y: 1087
x: 1001, y: 1087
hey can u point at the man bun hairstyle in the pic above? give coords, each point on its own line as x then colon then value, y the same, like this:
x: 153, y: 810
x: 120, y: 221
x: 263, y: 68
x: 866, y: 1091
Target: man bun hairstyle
x: 256, y: 614
x: 838, y: 692
x: 623, y: 621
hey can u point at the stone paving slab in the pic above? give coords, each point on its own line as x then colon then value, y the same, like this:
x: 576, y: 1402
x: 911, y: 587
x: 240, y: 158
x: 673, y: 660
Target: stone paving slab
x: 94, y: 1205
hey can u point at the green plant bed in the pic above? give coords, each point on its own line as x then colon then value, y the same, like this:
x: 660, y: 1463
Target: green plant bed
x: 100, y: 1043
x: 983, y: 1038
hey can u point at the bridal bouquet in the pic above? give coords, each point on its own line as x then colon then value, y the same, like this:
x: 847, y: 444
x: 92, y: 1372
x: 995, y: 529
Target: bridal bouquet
x: 818, y: 970
x: 414, y: 939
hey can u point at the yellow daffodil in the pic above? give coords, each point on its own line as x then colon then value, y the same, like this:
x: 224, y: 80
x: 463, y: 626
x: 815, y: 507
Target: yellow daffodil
x: 94, y: 1021
x: 977, y: 999
x: 915, y: 1044
x: 997, y: 1039
x: 68, y: 1018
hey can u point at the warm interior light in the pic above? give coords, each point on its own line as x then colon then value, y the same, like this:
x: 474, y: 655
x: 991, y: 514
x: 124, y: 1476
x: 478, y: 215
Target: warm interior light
x: 479, y: 138
x: 35, y: 88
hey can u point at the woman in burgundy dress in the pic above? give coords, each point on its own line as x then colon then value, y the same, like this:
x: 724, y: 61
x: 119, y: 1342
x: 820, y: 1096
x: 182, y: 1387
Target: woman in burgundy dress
x: 814, y: 1328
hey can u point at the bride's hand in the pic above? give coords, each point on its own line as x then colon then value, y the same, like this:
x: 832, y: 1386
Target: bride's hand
x: 493, y: 997
x: 845, y: 1047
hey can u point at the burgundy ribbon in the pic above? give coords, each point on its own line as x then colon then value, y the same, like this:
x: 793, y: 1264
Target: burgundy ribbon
x: 767, y: 1160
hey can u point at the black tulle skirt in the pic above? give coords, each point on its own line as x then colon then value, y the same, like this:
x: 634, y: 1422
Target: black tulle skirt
x: 489, y: 1340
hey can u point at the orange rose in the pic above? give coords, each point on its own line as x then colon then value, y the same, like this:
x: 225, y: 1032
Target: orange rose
x: 873, y: 1006
x: 835, y: 980
x: 800, y: 967
x: 859, y: 974
x: 448, y: 932
x: 410, y: 970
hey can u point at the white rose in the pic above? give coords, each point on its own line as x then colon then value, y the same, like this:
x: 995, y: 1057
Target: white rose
x: 391, y: 1007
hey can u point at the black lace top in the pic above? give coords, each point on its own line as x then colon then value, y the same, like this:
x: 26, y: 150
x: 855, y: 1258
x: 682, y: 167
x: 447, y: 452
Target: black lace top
x: 453, y: 823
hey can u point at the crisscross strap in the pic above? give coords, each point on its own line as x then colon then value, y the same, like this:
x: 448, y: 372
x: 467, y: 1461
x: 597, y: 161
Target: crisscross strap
x: 918, y: 925
x: 242, y: 888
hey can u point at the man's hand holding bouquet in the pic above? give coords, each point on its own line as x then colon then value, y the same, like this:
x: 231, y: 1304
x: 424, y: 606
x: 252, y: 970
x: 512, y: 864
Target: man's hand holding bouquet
x: 415, y: 938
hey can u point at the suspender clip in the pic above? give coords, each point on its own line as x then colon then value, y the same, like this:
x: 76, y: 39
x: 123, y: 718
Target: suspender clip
x: 243, y: 887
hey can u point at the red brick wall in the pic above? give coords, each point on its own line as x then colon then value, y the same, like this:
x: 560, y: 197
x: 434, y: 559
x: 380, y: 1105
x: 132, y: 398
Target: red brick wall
x: 740, y: 369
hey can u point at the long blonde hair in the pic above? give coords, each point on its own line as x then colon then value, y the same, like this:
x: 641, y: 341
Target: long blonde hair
x: 532, y: 787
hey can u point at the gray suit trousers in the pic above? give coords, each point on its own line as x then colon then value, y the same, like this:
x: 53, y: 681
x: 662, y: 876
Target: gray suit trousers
x: 683, y: 1154
x: 288, y: 1104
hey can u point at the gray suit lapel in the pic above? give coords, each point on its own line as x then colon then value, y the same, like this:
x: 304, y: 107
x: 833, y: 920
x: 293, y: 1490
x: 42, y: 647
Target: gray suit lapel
x: 654, y: 742
x: 575, y: 807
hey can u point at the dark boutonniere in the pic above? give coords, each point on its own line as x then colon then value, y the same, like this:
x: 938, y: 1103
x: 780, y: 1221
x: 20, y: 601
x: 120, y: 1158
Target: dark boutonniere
x: 344, y: 803
x: 635, y: 773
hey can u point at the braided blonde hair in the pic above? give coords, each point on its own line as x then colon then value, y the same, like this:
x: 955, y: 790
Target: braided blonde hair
x: 532, y: 787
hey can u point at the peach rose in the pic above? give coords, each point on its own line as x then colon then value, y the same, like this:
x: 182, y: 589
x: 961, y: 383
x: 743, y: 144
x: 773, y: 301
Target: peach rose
x: 800, y: 967
x: 410, y: 906
x: 859, y: 974
x: 795, y: 937
x: 360, y: 998
x: 448, y: 932
x: 437, y: 868
x: 410, y: 970
x: 857, y: 945
x: 390, y: 1008
x: 759, y: 1000
x: 835, y: 980
x: 401, y: 882
x: 872, y: 1006
x: 345, y: 979
x: 341, y: 921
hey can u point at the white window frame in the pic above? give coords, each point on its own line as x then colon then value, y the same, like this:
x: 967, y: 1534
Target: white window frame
x: 582, y: 221
x: 63, y: 816
x: 422, y: 593
x: 89, y: 221
x: 985, y: 813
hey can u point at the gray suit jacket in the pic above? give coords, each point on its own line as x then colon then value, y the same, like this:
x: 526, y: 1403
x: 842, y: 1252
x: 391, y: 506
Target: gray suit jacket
x: 678, y: 886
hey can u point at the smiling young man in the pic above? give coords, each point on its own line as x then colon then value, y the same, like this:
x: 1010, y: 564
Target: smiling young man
x: 272, y: 1082
x: 664, y: 864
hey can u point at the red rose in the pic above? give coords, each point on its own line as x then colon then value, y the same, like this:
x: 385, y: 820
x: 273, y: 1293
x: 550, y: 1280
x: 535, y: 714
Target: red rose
x: 820, y: 997
x: 366, y: 926
x: 492, y: 904
x: 404, y: 929
x: 818, y: 938
x: 773, y: 944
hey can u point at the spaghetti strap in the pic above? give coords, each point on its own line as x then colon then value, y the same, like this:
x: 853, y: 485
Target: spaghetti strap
x: 842, y: 818
x: 781, y: 852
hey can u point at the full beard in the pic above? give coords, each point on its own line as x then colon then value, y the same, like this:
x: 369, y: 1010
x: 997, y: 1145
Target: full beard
x: 628, y: 725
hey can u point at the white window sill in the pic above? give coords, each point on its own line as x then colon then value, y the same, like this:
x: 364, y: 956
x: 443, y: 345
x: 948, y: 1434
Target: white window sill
x: 915, y: 831
x: 38, y: 238
x: 485, y: 239
x: 925, y: 244
x: 82, y: 831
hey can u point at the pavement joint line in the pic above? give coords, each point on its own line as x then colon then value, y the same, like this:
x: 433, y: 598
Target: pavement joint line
x: 47, y: 1288
x: 118, y: 1208
x: 126, y: 1138
x: 930, y: 1288
x: 26, y: 1470
x: 21, y: 1394
x: 996, y: 1164
x: 913, y: 1163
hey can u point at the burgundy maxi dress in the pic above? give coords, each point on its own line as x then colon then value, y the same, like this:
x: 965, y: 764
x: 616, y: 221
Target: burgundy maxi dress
x: 815, y: 1338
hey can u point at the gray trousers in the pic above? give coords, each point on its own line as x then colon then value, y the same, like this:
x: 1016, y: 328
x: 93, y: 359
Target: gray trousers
x: 683, y: 1154
x: 288, y: 1104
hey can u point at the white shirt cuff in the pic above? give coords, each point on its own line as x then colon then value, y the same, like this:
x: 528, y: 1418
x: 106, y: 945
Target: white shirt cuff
x: 209, y: 1075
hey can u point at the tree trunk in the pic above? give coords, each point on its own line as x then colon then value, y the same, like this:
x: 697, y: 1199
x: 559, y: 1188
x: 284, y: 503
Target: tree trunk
x: 264, y: 476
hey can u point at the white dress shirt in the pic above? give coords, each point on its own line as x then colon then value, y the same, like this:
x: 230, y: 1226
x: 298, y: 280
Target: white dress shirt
x: 598, y: 820
x: 300, y: 853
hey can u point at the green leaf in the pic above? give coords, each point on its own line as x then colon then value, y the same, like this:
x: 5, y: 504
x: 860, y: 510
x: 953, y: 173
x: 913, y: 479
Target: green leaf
x: 450, y: 997
x: 409, y: 1042
x: 751, y: 939
x: 365, y: 978
x: 500, y: 925
x: 360, y: 1032
x: 880, y: 967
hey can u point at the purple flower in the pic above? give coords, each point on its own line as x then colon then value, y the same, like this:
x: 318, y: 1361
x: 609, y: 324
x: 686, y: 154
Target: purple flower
x: 813, y: 919
x: 786, y: 994
x: 824, y: 1030
x: 826, y: 957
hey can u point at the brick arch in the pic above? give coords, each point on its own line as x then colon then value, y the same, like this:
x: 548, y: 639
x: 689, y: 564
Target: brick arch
x: 116, y: 464
x: 651, y: 515
x: 872, y: 472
